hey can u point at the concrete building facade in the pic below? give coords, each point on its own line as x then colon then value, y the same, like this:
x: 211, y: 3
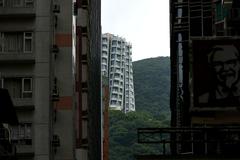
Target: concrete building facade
x: 117, y: 66
x: 38, y: 67
x: 88, y: 80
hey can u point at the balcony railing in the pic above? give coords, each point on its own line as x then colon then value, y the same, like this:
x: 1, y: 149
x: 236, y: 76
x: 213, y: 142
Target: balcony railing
x: 4, y: 134
x: 17, y: 8
x: 7, y: 149
x: 194, y: 141
x: 17, y: 3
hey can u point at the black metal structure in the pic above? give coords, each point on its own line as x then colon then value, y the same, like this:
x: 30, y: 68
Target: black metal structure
x: 7, y: 116
x: 195, y: 141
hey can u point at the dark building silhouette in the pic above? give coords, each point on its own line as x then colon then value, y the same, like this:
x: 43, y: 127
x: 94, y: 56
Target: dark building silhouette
x: 7, y: 117
x: 196, y: 28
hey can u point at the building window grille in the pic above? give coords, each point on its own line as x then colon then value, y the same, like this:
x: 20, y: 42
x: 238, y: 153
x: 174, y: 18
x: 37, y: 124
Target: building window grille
x: 17, y: 3
x: 29, y: 3
x: 12, y: 42
x: 18, y: 87
x: 21, y: 134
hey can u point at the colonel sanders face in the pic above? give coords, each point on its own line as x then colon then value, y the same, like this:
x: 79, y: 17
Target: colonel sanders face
x: 226, y: 66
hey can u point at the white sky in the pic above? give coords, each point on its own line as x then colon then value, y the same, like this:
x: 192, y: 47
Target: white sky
x: 144, y: 23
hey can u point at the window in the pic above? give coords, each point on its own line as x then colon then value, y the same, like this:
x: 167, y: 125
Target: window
x: 104, y: 60
x: 18, y: 87
x: 114, y: 49
x: 104, y: 67
x: 16, y: 42
x: 119, y: 103
x: 27, y: 42
x: 21, y: 134
x: 114, y: 95
x: 17, y: 3
x: 118, y: 57
x: 104, y: 39
x: 29, y: 3
x: 26, y: 88
x: 104, y: 46
x: 114, y: 42
x: 104, y: 53
x: 113, y: 56
x: 112, y: 62
x: 12, y: 42
x: 113, y: 102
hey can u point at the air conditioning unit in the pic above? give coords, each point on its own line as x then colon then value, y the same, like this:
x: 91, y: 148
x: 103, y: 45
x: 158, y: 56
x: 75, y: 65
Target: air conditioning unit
x: 84, y: 31
x: 55, y: 48
x: 84, y: 4
x: 56, y: 141
x: 56, y: 8
x: 55, y: 92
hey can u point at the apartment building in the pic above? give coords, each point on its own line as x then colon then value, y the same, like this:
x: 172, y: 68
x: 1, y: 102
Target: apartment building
x: 88, y: 80
x: 117, y: 66
x: 38, y: 67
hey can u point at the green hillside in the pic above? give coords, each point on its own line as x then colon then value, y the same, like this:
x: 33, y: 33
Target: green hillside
x: 152, y: 86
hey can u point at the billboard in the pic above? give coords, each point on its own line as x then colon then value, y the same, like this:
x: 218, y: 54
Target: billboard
x: 216, y: 73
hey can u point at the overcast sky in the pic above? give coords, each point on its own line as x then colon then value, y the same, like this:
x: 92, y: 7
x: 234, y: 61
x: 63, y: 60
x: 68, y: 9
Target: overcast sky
x: 144, y: 23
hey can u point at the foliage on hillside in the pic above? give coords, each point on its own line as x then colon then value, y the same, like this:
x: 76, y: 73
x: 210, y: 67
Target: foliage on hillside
x: 152, y: 86
x: 123, y: 134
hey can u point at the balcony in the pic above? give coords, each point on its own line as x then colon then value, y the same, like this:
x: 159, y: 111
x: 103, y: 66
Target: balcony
x: 17, y: 8
x: 23, y: 103
x: 17, y: 58
x: 24, y: 150
x: 4, y: 134
x: 7, y: 150
x: 213, y: 142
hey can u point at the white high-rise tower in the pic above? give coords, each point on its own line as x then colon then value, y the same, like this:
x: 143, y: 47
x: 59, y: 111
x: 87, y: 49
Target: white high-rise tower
x: 117, y: 65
